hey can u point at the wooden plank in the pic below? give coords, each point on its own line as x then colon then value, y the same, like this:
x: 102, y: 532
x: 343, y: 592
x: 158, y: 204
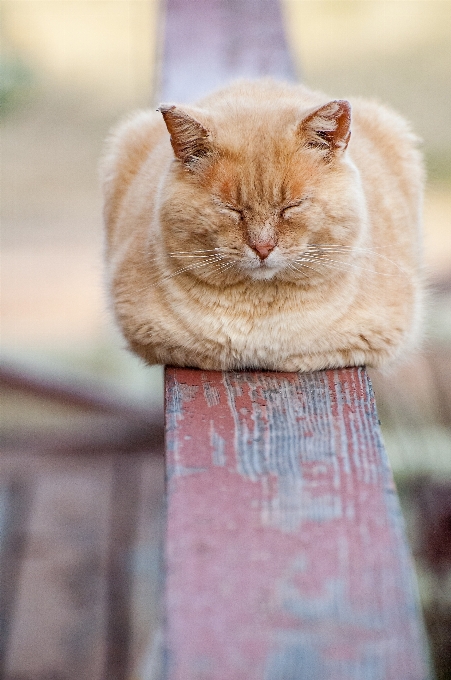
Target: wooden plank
x: 210, y: 42
x: 105, y: 421
x: 286, y: 552
x: 80, y: 559
x: 14, y: 512
x: 57, y: 629
x: 95, y: 397
x: 123, y: 521
x: 147, y: 571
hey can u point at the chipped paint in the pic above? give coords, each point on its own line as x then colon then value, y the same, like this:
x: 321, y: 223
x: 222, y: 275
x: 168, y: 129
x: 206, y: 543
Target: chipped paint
x: 288, y: 550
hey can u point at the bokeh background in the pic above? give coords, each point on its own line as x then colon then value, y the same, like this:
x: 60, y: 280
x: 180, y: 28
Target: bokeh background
x: 68, y: 70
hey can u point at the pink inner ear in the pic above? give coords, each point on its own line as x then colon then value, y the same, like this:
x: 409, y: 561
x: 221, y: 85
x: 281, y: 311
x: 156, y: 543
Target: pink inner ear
x: 343, y: 132
x: 329, y: 126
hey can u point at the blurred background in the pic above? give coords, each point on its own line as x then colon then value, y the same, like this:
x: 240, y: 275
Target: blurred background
x: 68, y: 70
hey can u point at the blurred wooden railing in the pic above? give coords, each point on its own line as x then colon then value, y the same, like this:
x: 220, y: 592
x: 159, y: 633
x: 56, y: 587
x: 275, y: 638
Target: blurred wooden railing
x: 285, y: 550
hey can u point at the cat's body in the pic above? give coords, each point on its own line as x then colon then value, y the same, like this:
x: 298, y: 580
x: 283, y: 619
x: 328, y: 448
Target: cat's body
x: 262, y: 239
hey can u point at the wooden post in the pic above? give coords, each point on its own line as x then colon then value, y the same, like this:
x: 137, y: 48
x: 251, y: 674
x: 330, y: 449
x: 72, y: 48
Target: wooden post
x: 211, y: 42
x: 286, y: 554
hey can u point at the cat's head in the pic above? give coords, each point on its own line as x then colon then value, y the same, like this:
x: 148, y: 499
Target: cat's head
x: 254, y: 191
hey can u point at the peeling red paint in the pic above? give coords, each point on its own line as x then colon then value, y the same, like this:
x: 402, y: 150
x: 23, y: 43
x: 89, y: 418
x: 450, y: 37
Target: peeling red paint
x: 288, y: 544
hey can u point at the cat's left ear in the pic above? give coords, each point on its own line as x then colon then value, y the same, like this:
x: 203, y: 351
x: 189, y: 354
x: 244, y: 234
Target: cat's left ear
x: 328, y: 127
x: 189, y: 138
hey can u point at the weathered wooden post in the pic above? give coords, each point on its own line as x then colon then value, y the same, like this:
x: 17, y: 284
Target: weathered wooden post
x: 286, y: 554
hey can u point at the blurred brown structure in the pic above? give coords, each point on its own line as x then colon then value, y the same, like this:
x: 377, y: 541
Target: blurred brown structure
x: 81, y: 509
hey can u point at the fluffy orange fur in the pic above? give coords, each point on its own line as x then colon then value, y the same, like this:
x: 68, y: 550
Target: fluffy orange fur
x: 266, y: 227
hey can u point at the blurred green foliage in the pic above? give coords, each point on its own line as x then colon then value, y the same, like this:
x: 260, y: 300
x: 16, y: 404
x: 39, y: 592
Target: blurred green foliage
x: 438, y: 165
x: 16, y: 81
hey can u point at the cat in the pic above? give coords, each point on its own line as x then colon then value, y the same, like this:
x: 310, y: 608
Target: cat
x: 266, y: 227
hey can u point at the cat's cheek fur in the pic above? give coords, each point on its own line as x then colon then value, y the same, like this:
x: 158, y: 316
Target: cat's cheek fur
x: 362, y: 305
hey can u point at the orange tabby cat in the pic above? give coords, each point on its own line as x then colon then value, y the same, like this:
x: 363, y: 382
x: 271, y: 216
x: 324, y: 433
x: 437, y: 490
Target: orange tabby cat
x: 266, y: 227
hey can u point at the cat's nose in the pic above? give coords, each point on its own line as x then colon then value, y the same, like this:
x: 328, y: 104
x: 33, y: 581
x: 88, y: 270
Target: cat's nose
x: 263, y: 249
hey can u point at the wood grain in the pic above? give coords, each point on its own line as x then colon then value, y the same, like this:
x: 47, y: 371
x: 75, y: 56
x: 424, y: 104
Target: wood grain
x: 286, y: 551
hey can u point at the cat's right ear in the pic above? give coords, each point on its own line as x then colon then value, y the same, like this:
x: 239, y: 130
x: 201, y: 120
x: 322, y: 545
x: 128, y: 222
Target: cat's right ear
x: 189, y: 138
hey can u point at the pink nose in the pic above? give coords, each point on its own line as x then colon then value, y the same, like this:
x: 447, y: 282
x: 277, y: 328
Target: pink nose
x: 263, y: 249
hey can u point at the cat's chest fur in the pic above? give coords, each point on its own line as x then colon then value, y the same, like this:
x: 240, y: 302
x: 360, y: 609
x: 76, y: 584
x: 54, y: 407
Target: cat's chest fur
x: 253, y: 329
x: 277, y: 328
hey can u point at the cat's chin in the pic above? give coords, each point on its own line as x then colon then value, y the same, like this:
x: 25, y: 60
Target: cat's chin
x: 262, y: 273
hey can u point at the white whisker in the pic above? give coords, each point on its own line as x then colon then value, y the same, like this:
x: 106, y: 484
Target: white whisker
x: 191, y: 252
x: 342, y: 266
x: 194, y: 265
x: 336, y: 248
x: 223, y: 267
x: 295, y: 269
x: 196, y: 256
x: 302, y: 260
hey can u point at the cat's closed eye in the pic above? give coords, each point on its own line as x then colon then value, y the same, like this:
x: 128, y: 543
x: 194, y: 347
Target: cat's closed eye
x: 294, y: 208
x: 230, y: 210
